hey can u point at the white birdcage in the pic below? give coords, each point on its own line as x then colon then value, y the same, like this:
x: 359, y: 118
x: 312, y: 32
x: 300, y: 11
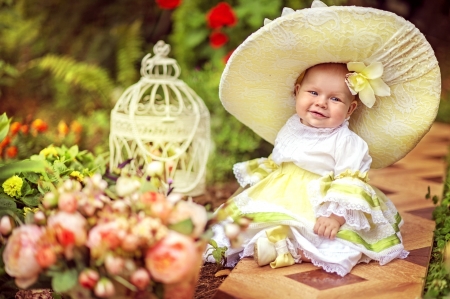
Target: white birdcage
x: 160, y: 118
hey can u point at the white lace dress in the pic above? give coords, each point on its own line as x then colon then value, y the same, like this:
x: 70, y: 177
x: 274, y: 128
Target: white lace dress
x: 315, y: 172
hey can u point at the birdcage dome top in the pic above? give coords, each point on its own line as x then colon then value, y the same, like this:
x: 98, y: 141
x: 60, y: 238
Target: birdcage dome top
x: 160, y: 66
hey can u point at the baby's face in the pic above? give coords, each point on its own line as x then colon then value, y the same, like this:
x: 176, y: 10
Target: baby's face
x: 323, y: 99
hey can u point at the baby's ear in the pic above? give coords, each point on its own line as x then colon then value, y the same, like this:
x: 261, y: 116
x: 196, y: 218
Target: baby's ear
x: 352, y: 107
x: 296, y: 88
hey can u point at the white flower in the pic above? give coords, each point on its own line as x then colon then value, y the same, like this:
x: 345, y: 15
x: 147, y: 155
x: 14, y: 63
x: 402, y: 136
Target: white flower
x: 127, y: 186
x: 366, y: 81
x: 155, y: 168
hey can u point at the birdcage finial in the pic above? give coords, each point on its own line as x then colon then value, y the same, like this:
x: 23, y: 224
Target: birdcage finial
x: 160, y: 66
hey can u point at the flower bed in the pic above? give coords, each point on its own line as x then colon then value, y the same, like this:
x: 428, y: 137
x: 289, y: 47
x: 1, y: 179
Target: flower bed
x: 437, y: 284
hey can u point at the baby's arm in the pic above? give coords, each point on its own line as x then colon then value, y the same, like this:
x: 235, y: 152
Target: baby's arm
x: 328, y: 226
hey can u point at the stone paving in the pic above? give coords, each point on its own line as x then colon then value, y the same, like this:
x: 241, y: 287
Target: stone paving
x: 406, y: 183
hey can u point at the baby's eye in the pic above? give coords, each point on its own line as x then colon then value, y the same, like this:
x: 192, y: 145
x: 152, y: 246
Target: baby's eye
x: 314, y: 93
x: 335, y: 99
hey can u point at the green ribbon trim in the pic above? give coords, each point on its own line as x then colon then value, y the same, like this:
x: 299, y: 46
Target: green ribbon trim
x: 350, y: 191
x: 379, y: 246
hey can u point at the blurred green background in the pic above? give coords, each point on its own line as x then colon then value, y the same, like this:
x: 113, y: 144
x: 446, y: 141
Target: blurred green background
x: 67, y: 62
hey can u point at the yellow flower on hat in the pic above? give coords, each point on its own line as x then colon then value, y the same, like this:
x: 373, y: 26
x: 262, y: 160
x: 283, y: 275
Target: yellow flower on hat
x: 366, y: 81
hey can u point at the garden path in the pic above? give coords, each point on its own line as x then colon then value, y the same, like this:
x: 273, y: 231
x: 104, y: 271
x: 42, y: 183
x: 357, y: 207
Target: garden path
x: 406, y: 183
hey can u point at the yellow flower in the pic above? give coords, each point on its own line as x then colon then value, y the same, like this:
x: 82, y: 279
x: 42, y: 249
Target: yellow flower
x: 366, y: 81
x: 13, y: 186
x: 28, y: 210
x: 77, y: 175
x: 49, y: 151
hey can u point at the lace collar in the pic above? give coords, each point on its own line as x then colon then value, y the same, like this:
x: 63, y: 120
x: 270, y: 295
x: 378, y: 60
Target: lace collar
x: 295, y: 124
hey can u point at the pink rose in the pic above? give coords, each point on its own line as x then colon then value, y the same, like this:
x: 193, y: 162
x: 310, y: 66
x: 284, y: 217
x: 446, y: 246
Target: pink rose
x: 46, y: 256
x: 20, y: 255
x: 172, y: 259
x: 190, y: 210
x: 140, y: 278
x: 67, y: 202
x: 108, y: 234
x: 70, y: 228
x: 158, y: 204
x: 114, y: 264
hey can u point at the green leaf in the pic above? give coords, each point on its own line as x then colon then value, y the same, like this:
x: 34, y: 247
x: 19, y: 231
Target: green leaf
x: 31, y: 177
x: 64, y: 282
x: 61, y: 168
x: 7, y: 202
x: 26, y: 189
x: 213, y: 243
x: 31, y: 200
x: 4, y: 126
x: 184, y: 227
x: 73, y: 151
x: 45, y: 187
x: 9, y: 170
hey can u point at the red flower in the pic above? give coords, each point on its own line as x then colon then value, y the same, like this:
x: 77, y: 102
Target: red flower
x: 24, y: 129
x: 168, y: 4
x: 11, y: 152
x: 221, y: 15
x: 5, y: 142
x: 217, y: 39
x: 65, y: 237
x: 14, y: 128
x: 39, y: 125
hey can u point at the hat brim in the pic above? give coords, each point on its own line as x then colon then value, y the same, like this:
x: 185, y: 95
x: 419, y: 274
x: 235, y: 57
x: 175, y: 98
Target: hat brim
x: 258, y: 81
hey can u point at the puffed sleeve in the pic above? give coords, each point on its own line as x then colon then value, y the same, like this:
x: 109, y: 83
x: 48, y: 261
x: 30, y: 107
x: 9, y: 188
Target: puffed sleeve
x: 253, y: 171
x: 346, y: 192
x: 352, y: 153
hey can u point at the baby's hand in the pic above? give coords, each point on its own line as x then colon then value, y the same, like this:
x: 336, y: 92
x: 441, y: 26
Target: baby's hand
x: 328, y: 226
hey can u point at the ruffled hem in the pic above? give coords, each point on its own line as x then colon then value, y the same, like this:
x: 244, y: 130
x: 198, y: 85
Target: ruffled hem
x: 353, y: 218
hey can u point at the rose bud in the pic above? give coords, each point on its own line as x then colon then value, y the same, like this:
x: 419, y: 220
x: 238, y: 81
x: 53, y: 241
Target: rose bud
x: 232, y: 230
x: 140, y: 278
x: 46, y: 256
x: 104, y: 288
x: 130, y: 243
x: 6, y: 225
x: 88, y: 278
x: 49, y: 201
x: 39, y: 218
x: 114, y: 264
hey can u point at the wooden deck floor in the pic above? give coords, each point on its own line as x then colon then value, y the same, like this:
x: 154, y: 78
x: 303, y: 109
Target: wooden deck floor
x: 406, y: 183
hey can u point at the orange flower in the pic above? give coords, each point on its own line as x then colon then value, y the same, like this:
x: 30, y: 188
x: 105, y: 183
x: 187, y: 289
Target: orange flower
x: 76, y: 127
x: 5, y: 142
x: 63, y: 128
x: 39, y: 125
x: 11, y: 152
x: 14, y: 128
x: 24, y: 129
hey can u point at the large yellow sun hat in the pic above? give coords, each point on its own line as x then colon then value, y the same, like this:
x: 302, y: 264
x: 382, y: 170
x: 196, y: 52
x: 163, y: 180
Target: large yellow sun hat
x: 257, y: 84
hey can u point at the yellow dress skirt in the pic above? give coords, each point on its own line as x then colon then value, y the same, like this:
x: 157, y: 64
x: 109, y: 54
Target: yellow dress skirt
x: 291, y: 196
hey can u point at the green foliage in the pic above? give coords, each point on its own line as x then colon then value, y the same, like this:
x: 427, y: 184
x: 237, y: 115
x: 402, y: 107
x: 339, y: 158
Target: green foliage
x: 218, y: 253
x: 437, y: 284
x: 443, y: 114
x: 4, y: 126
x: 232, y: 141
